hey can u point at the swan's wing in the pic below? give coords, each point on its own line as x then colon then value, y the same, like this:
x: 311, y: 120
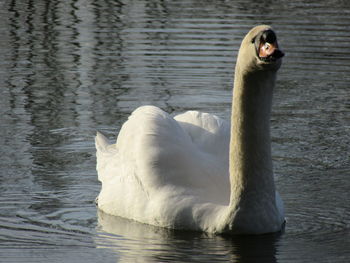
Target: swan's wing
x: 210, y: 133
x: 155, y: 153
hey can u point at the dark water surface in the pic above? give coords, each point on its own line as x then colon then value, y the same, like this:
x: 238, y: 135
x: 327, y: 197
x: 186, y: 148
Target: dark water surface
x: 68, y: 68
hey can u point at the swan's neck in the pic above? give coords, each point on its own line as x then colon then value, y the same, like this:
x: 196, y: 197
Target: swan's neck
x: 251, y: 175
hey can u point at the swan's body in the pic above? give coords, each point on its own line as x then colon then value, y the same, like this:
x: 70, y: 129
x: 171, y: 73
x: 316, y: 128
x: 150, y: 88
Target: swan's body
x: 194, y: 171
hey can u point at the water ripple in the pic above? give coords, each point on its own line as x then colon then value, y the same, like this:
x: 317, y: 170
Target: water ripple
x: 67, y: 70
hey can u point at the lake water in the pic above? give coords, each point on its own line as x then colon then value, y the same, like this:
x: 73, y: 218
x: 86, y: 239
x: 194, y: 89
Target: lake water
x: 69, y: 68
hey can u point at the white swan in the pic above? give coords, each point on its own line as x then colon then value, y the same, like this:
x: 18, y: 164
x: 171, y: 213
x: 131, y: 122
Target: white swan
x: 188, y: 172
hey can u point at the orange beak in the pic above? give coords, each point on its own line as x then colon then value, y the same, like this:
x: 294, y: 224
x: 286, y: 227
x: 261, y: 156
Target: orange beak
x: 267, y: 49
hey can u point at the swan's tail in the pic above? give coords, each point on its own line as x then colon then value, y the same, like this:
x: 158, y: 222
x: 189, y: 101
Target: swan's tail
x: 101, y: 142
x: 104, y: 152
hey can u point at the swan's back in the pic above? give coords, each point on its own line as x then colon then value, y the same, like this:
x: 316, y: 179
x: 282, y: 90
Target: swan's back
x: 162, y: 165
x: 207, y: 131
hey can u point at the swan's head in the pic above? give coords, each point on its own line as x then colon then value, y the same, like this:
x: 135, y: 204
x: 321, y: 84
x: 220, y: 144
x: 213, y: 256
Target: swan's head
x: 260, y: 50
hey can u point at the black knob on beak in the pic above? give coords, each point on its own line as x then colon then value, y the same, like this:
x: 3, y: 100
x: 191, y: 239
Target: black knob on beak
x: 268, y: 36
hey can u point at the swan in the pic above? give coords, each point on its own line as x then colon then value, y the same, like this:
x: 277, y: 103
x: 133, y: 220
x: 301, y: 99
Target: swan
x: 196, y: 171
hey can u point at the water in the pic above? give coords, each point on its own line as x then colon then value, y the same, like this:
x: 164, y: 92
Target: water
x: 70, y: 68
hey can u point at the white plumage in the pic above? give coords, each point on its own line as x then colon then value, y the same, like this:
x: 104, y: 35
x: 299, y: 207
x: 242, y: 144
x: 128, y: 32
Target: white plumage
x: 164, y: 166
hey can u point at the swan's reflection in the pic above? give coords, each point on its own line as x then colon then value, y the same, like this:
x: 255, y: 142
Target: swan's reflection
x: 135, y: 242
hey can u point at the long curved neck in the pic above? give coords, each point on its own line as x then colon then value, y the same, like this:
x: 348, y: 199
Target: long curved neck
x: 251, y: 174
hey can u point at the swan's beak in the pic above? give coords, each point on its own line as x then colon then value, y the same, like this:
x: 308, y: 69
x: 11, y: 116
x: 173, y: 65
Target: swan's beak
x: 267, y: 46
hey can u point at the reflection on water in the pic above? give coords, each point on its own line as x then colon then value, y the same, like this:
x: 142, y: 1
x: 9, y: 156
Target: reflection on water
x: 68, y: 68
x: 151, y: 244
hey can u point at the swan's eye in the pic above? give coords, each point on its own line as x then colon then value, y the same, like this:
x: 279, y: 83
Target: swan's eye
x: 253, y: 40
